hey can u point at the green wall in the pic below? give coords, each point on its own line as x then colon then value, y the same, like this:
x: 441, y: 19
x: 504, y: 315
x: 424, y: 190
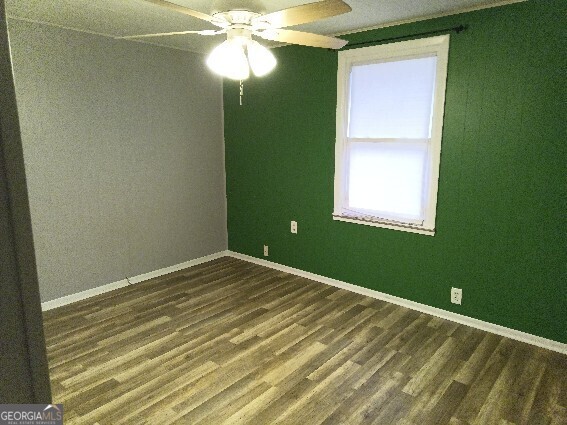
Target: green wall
x: 501, y: 211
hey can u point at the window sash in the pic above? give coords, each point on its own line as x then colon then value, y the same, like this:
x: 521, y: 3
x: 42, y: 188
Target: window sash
x: 390, y: 140
x: 371, y: 218
x: 404, y: 95
x: 383, y: 215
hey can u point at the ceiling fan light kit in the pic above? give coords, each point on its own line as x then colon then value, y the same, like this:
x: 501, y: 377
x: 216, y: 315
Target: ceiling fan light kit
x: 235, y: 57
x: 239, y: 53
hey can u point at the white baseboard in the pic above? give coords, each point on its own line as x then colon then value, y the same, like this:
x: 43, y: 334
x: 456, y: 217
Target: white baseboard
x: 79, y: 296
x: 444, y: 314
x: 177, y: 267
x: 69, y: 299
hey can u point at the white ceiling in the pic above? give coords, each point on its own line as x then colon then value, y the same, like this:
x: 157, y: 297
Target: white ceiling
x: 128, y: 17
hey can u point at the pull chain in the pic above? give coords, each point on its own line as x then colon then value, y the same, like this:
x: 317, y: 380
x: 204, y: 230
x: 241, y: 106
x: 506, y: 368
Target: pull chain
x: 241, y: 91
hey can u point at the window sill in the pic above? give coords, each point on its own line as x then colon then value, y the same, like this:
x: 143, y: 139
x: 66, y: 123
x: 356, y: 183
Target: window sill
x: 384, y: 225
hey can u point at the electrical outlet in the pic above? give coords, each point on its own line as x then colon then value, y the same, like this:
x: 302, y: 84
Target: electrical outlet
x: 265, y: 250
x: 294, y: 227
x: 456, y: 295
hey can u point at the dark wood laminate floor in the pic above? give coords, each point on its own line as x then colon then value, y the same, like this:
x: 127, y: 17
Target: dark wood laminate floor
x: 230, y: 342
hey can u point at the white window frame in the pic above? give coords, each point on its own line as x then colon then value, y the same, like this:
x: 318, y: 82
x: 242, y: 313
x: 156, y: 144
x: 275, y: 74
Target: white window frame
x: 404, y: 50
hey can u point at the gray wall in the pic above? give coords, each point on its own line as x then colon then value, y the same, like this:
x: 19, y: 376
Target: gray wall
x: 124, y: 155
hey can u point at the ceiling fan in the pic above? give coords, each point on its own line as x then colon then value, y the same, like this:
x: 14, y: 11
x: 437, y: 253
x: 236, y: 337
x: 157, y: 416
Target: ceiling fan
x: 240, y: 20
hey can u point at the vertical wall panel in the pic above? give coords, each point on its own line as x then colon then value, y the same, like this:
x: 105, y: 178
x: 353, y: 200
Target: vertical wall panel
x: 502, y: 195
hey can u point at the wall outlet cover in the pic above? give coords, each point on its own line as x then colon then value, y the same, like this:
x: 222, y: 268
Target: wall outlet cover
x: 456, y: 295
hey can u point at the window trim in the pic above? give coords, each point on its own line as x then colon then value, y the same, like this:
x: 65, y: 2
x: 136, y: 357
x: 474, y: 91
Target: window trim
x: 411, y: 49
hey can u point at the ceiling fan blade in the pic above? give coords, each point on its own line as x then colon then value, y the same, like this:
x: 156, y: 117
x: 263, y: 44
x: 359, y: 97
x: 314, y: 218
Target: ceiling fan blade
x: 303, y: 14
x: 303, y: 38
x: 189, y: 12
x: 204, y: 32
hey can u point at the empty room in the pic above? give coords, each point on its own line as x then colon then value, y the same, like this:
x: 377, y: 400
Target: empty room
x: 283, y: 212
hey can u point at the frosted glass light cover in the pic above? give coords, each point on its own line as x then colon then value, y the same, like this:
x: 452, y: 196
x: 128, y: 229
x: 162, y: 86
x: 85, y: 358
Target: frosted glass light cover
x: 262, y: 61
x: 387, y: 178
x: 392, y: 99
x: 228, y: 59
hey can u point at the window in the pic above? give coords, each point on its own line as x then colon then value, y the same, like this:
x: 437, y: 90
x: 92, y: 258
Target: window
x: 389, y: 123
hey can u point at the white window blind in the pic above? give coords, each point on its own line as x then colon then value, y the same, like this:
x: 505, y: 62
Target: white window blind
x: 392, y: 99
x: 387, y: 179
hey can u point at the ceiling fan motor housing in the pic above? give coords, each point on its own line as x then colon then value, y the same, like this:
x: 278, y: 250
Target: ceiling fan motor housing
x: 237, y: 18
x: 255, y: 6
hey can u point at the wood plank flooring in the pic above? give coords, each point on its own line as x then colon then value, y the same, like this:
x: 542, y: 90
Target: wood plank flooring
x: 230, y: 342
